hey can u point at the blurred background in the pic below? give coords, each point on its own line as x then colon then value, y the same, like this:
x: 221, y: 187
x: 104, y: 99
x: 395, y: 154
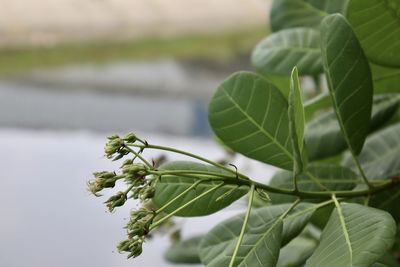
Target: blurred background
x: 73, y: 72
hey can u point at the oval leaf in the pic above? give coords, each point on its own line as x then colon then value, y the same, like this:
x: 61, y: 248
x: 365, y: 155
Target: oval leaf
x: 355, y: 235
x: 262, y: 240
x: 386, y: 80
x: 324, y: 138
x: 349, y: 79
x: 170, y: 186
x: 302, y: 13
x: 279, y: 52
x: 250, y: 116
x: 377, y: 25
x: 380, y: 156
x: 184, y: 251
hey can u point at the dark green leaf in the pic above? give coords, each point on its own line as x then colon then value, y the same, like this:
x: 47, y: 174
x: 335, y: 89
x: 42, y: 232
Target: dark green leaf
x: 249, y: 115
x: 355, y: 235
x: 324, y: 138
x: 388, y: 200
x: 380, y: 156
x: 184, y: 251
x: 386, y: 80
x: 377, y: 25
x: 263, y: 238
x: 279, y: 52
x: 170, y: 186
x: 349, y: 79
x: 317, y: 177
x: 302, y: 13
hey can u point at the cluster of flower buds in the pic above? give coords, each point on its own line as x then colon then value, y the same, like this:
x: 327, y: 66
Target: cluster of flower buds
x: 137, y: 227
x: 115, y: 147
x: 102, y: 180
x: 135, y: 175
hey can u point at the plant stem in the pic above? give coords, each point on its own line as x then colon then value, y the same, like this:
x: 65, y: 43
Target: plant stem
x: 157, y: 223
x: 244, y: 225
x: 370, y: 186
x: 179, y: 196
x: 170, y: 149
x: 302, y: 194
x: 139, y: 156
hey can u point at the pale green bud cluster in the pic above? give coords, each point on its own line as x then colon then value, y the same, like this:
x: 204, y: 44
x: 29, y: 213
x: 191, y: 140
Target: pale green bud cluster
x: 138, y: 228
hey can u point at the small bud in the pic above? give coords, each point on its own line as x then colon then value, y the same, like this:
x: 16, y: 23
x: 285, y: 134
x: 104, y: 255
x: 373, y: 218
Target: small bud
x: 127, y: 162
x: 116, y: 201
x: 130, y: 138
x: 136, y: 169
x: 123, y: 246
x: 147, y: 193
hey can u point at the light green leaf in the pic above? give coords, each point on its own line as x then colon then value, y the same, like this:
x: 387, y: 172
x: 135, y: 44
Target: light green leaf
x: 296, y: 252
x: 386, y: 80
x: 265, y: 234
x: 282, y: 82
x: 377, y: 26
x: 296, y: 112
x: 302, y: 13
x: 380, y: 156
x: 185, y: 251
x: 317, y: 177
x: 279, y: 52
x: 355, y: 235
x: 249, y: 115
x: 324, y: 138
x: 170, y: 186
x: 349, y: 79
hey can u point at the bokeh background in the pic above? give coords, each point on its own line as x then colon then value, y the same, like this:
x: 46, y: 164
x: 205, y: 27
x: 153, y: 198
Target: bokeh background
x: 73, y: 72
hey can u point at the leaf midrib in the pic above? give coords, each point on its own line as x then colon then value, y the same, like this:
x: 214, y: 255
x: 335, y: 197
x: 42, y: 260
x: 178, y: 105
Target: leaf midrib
x: 345, y: 231
x: 262, y: 130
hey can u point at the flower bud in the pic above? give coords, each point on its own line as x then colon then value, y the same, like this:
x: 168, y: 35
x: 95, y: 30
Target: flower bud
x: 147, y: 193
x: 136, y: 169
x: 130, y: 138
x: 116, y: 201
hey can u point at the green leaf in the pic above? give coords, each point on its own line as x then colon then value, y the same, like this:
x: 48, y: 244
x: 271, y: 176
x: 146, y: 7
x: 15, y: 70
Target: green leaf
x: 265, y: 234
x: 170, y: 186
x: 296, y: 252
x: 355, y: 235
x: 387, y: 200
x: 302, y: 13
x: 349, y: 79
x: 296, y: 112
x: 249, y: 115
x: 387, y: 260
x: 279, y: 52
x: 386, y: 80
x: 321, y: 101
x: 184, y: 251
x: 317, y: 177
x: 377, y: 26
x: 282, y: 82
x: 324, y: 138
x: 380, y: 156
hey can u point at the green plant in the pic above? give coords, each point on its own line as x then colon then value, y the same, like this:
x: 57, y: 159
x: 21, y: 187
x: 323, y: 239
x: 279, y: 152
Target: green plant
x: 334, y: 201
